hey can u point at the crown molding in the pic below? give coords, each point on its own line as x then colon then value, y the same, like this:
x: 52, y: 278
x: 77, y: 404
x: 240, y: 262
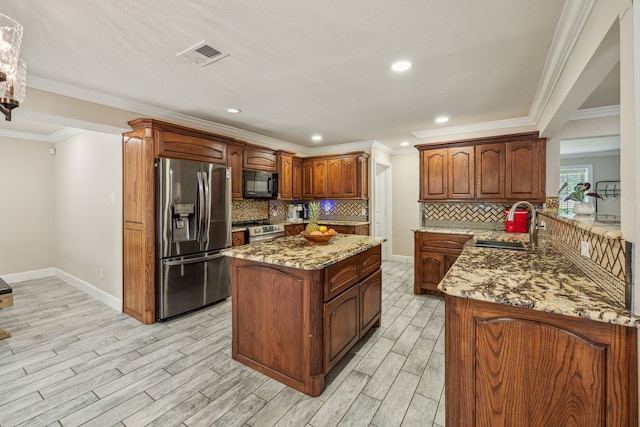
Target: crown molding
x: 158, y: 113
x: 478, y: 127
x: 594, y: 113
x: 572, y: 19
x: 60, y: 135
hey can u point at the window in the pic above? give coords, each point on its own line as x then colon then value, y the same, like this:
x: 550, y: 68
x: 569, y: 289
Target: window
x: 573, y: 174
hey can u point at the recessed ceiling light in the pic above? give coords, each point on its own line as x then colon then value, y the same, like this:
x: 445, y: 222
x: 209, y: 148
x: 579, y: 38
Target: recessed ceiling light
x: 442, y: 119
x: 317, y: 138
x: 404, y: 143
x: 233, y: 110
x: 401, y: 66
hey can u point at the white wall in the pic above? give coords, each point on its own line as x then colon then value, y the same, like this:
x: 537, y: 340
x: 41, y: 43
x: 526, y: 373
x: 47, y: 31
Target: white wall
x: 605, y: 168
x: 405, y: 193
x: 26, y: 191
x: 88, y: 227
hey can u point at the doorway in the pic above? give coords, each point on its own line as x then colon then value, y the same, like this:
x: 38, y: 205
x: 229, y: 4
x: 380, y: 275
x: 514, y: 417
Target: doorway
x: 381, y: 218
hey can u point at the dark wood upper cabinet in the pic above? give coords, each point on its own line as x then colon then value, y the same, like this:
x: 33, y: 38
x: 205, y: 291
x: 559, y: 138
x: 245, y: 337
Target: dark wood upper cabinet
x: 320, y: 175
x: 258, y: 158
x: 190, y: 146
x: 460, y: 173
x: 349, y: 178
x: 297, y: 174
x: 490, y: 167
x: 234, y: 160
x: 334, y: 184
x: 504, y: 168
x: 285, y: 175
x: 338, y: 176
x: 523, y: 165
x: 433, y: 174
x: 307, y: 179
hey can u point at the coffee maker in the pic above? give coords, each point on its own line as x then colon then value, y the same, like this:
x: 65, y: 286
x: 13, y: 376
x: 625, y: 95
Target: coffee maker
x: 295, y: 213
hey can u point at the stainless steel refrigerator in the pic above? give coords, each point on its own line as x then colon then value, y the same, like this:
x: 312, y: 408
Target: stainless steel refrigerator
x: 193, y: 226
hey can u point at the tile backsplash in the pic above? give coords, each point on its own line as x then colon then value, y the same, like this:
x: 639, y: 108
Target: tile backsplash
x: 249, y: 210
x: 481, y: 215
x: 254, y: 210
x: 609, y: 260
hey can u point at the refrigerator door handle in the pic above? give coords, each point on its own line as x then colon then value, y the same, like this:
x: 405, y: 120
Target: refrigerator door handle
x: 201, y: 206
x: 207, y: 209
x: 192, y: 260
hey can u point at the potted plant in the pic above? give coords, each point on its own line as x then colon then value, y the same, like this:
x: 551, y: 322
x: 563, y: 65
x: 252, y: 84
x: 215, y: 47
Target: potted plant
x: 580, y: 191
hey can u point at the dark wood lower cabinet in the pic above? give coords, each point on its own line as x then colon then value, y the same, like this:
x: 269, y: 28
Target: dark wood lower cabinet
x: 361, y: 230
x: 510, y: 366
x: 434, y: 255
x: 293, y: 229
x: 238, y: 238
x: 295, y: 325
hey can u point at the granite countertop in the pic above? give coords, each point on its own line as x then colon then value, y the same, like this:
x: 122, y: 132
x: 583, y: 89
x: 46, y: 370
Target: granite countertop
x: 542, y: 279
x: 296, y: 252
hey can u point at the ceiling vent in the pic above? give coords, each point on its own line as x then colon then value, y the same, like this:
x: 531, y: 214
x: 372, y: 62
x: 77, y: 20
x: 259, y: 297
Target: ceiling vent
x: 202, y: 54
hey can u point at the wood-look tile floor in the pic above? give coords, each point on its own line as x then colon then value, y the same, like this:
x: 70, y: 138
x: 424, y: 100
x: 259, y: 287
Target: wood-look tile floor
x: 73, y: 361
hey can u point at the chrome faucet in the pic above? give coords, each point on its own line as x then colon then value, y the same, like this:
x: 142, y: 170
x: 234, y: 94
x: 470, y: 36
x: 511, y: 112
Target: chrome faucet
x: 533, y: 230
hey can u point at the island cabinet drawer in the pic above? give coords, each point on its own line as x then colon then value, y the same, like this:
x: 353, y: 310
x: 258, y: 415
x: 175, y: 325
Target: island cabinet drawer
x: 370, y: 261
x: 441, y: 241
x: 340, y: 277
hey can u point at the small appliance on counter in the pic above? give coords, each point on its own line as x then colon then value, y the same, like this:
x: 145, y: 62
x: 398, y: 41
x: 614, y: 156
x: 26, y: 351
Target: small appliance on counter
x: 295, y: 213
x: 519, y: 223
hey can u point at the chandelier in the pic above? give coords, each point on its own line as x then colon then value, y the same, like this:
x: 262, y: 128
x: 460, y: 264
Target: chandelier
x: 13, y: 70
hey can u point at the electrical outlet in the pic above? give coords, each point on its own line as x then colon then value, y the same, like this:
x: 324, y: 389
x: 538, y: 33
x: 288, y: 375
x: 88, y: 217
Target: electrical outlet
x: 584, y: 248
x: 101, y: 273
x: 112, y: 198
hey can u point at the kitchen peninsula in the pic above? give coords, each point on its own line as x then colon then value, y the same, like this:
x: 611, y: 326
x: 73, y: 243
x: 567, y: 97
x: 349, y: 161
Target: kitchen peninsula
x: 532, y: 340
x: 298, y: 308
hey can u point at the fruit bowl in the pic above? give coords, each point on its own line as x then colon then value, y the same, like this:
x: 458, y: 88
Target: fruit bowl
x: 317, y: 239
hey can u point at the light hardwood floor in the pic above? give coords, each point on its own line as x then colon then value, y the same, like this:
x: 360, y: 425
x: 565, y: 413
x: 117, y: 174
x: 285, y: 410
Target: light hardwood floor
x: 74, y: 361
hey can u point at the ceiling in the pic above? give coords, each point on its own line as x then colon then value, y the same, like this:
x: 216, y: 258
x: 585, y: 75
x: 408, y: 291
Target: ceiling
x: 295, y: 68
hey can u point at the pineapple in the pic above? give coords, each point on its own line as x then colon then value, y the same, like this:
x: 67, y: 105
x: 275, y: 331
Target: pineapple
x: 314, y: 213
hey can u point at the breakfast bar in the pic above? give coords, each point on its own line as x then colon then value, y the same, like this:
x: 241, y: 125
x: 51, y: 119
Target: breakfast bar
x: 297, y: 308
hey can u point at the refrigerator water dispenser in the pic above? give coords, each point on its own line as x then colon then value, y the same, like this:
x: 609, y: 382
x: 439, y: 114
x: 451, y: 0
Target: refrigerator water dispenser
x: 183, y: 222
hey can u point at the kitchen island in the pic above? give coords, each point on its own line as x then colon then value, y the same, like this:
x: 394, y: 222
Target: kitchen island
x: 530, y: 339
x: 298, y: 308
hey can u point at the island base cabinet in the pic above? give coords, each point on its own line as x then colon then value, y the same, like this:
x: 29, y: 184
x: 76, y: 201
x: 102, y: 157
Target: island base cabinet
x: 295, y: 325
x: 515, y: 366
x: 342, y: 326
x: 276, y: 323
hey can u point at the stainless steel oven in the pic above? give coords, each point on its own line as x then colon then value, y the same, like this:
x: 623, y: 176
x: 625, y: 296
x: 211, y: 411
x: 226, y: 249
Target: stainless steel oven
x: 261, y: 233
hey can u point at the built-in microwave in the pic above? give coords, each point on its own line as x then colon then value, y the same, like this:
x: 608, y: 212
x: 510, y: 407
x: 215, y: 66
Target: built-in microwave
x: 259, y: 185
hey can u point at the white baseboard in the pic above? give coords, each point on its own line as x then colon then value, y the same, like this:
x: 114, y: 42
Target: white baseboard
x: 91, y: 290
x: 402, y: 258
x: 28, y: 275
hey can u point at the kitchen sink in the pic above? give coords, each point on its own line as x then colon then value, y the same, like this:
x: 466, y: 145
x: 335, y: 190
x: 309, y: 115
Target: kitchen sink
x: 498, y: 244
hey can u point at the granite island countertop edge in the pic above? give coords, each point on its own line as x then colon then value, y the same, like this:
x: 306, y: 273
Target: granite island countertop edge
x: 296, y: 252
